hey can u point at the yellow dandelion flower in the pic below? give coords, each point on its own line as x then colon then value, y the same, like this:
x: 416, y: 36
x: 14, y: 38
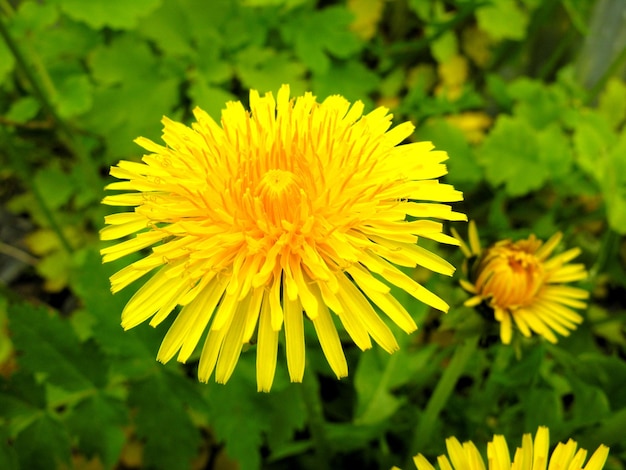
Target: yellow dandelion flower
x: 292, y: 209
x: 533, y: 454
x: 524, y: 285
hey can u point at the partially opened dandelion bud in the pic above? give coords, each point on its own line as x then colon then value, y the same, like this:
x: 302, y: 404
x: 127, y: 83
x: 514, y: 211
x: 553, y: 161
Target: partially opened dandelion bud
x: 533, y: 454
x: 284, y: 213
x: 524, y: 286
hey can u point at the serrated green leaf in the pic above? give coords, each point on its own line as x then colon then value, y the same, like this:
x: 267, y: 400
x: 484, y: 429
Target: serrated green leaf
x: 97, y: 423
x: 114, y: 13
x: 126, y: 57
x: 593, y: 140
x: 160, y: 408
x: 43, y: 445
x: 47, y: 344
x: 503, y: 19
x: 555, y: 152
x: 510, y: 156
x: 314, y: 34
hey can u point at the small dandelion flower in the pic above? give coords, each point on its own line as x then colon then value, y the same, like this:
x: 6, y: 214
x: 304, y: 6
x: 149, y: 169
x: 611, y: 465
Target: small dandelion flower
x: 533, y: 454
x: 524, y: 285
x: 293, y: 210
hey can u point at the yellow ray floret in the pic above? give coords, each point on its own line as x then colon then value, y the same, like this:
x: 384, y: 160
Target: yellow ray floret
x: 291, y: 213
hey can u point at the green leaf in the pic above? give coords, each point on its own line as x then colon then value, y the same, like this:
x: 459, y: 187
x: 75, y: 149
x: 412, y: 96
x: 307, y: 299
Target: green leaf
x: 537, y: 103
x: 593, y: 140
x: 352, y: 79
x: 168, y: 27
x: 54, y: 186
x: 542, y: 407
x: 24, y: 109
x: 46, y: 344
x: 8, y: 455
x: 510, y: 156
x: 170, y: 438
x: 612, y: 103
x: 590, y: 403
x: 118, y: 14
x: 6, y: 62
x: 237, y: 405
x: 125, y: 58
x: 22, y: 401
x: 210, y: 98
x: 97, y: 423
x: 33, y: 17
x: 266, y: 70
x: 133, y: 352
x: 43, y: 445
x: 463, y: 168
x: 316, y: 33
x: 74, y: 95
x: 503, y: 19
x: 555, y: 152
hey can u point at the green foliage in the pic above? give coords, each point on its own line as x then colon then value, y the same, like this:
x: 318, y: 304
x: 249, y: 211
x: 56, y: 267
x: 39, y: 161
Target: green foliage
x: 536, y: 144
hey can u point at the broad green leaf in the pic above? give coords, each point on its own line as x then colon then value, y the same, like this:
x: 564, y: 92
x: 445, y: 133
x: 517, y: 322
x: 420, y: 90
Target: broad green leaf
x: 590, y: 403
x: 22, y: 401
x: 555, y: 152
x: 445, y: 47
x: 97, y: 423
x: 23, y: 109
x: 8, y: 454
x: 47, y: 344
x: 133, y: 352
x: 210, y: 98
x: 74, y: 95
x: 171, y: 439
x: 317, y: 33
x: 117, y: 14
x: 212, y: 67
x: 612, y: 104
x: 43, y: 445
x: 593, y: 140
x: 378, y: 374
x: 510, y: 156
x: 352, y: 79
x: 538, y: 104
x: 168, y: 27
x: 54, y: 185
x: 503, y: 19
x: 6, y: 62
x: 614, y: 186
x: 541, y: 407
x: 32, y: 18
x: 463, y: 168
x: 266, y: 70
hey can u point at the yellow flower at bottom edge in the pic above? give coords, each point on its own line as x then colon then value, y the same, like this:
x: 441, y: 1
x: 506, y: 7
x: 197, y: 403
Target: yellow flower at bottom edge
x: 532, y: 455
x: 294, y: 206
x: 524, y: 285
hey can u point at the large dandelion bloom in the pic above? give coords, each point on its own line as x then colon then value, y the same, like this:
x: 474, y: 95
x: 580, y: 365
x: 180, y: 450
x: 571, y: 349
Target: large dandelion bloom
x: 524, y: 285
x: 532, y: 455
x: 292, y: 209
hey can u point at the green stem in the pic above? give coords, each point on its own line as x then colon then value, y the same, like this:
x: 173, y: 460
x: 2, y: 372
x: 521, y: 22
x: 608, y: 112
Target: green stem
x: 440, y: 396
x: 310, y: 394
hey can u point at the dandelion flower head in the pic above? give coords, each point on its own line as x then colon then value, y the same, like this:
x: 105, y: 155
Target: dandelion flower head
x: 525, y: 285
x: 293, y: 211
x: 533, y: 454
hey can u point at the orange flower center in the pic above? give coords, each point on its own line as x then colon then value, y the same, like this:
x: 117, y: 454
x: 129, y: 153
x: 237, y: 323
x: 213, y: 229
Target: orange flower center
x: 510, y: 274
x: 280, y: 192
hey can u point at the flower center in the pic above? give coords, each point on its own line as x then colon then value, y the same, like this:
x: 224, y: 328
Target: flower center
x: 280, y: 193
x: 510, y: 275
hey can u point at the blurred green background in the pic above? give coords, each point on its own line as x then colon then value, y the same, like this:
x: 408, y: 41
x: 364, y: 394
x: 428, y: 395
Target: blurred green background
x: 527, y: 97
